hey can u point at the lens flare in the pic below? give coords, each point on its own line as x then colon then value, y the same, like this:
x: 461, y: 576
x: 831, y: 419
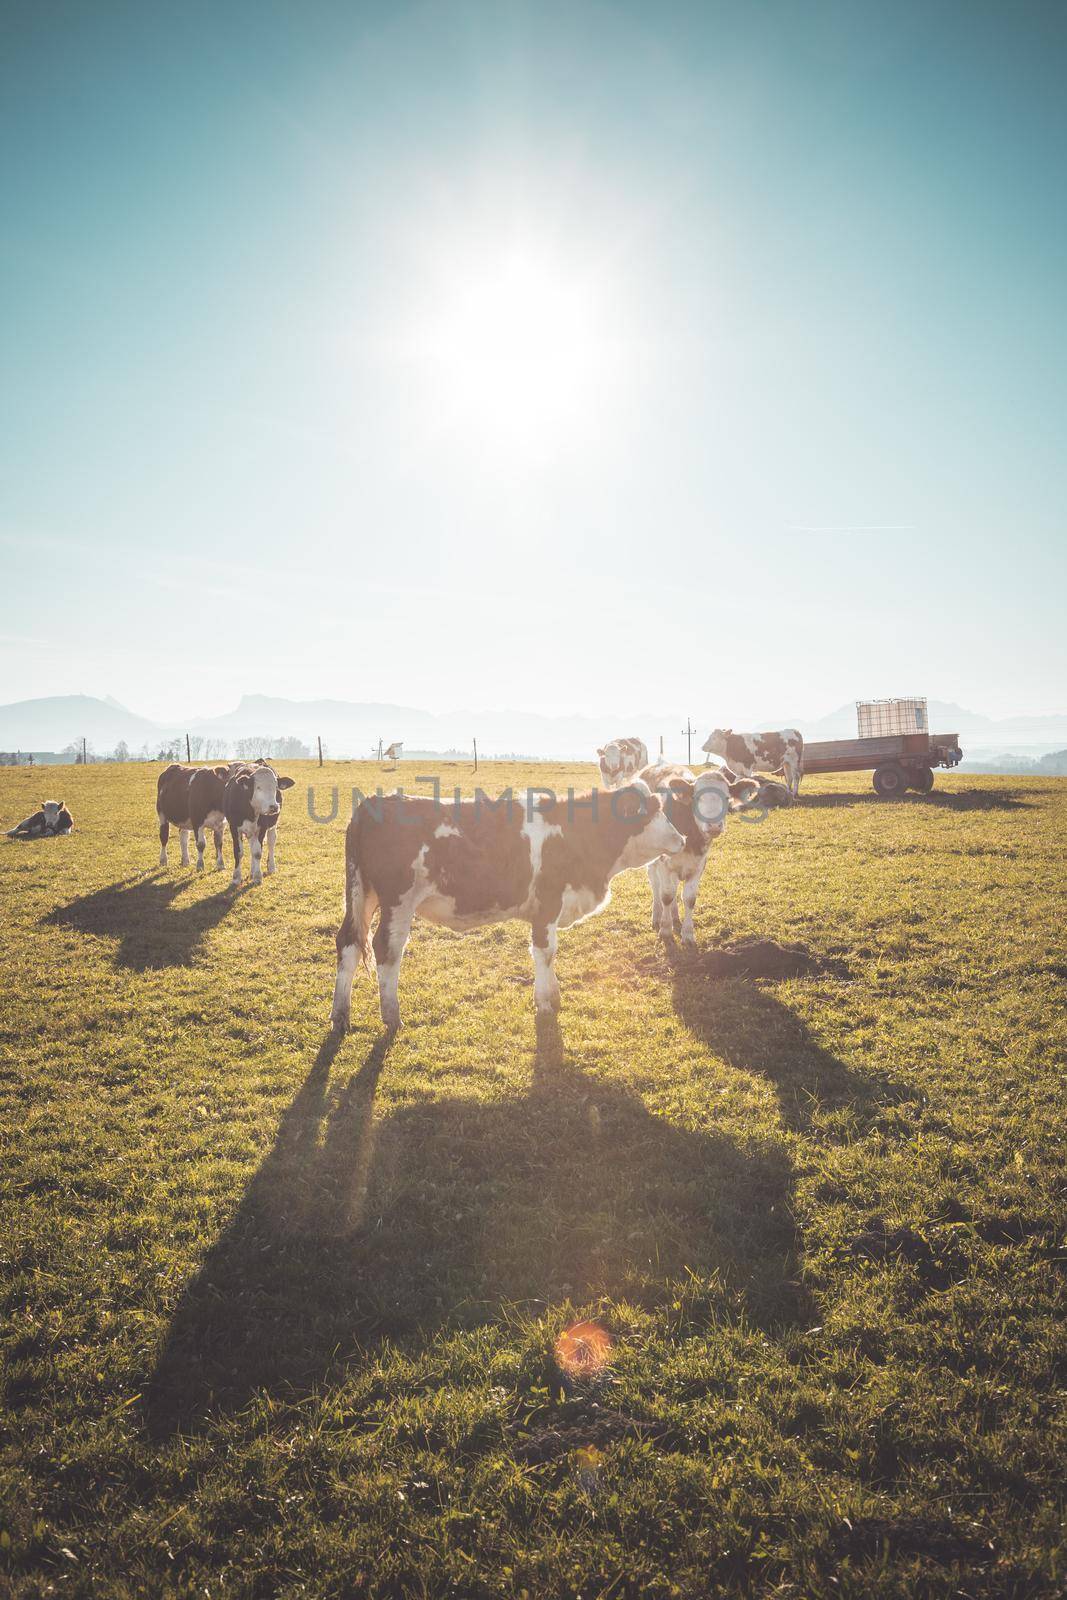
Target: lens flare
x: 583, y: 1349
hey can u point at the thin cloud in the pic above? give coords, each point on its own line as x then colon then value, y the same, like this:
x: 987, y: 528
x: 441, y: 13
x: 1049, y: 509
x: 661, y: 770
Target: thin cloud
x: 850, y: 527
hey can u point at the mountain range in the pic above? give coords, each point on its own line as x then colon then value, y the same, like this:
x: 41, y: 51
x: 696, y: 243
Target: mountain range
x: 354, y: 728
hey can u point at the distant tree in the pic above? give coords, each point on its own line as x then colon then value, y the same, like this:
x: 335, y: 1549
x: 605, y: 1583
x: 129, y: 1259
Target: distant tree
x: 213, y: 748
x: 289, y: 749
x: 121, y: 751
x: 196, y: 746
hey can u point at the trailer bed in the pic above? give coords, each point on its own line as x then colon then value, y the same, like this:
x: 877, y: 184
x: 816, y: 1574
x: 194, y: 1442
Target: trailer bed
x: 899, y: 761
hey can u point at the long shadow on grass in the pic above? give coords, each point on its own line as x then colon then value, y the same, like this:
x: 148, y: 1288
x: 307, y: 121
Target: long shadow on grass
x: 939, y: 799
x: 718, y: 995
x: 356, y: 1229
x: 142, y: 913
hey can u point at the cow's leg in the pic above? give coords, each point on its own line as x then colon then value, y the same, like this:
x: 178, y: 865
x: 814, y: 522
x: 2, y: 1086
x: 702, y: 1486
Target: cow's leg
x: 659, y: 892
x: 164, y: 835
x: 219, y: 863
x: 543, y: 941
x: 793, y: 774
x: 390, y: 939
x: 183, y: 834
x: 690, y: 890
x: 272, y: 834
x: 255, y: 851
x: 201, y: 841
x: 235, y: 835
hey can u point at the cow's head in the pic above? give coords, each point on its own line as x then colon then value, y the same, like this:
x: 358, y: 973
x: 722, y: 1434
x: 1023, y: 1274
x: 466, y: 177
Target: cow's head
x: 647, y: 830
x: 715, y: 743
x: 263, y: 787
x: 716, y: 794
x: 51, y: 809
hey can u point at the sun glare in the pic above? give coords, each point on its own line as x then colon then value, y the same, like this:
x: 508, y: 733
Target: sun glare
x: 518, y: 350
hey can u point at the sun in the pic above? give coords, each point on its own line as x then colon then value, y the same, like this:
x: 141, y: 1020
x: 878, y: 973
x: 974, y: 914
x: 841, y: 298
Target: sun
x: 519, y: 350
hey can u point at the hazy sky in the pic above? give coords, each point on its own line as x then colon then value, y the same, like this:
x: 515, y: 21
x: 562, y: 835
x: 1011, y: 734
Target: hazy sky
x: 567, y: 357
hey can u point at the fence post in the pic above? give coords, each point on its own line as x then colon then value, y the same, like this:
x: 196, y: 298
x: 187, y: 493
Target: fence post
x: 188, y: 757
x: 475, y: 755
x: 320, y: 749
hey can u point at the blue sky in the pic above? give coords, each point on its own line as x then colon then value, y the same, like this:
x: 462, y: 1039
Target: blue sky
x: 566, y: 357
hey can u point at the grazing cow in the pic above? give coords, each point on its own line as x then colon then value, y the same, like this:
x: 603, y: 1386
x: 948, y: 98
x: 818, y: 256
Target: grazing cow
x: 253, y: 804
x: 621, y: 760
x: 549, y: 863
x: 699, y: 808
x: 52, y: 819
x: 749, y: 753
x: 191, y: 800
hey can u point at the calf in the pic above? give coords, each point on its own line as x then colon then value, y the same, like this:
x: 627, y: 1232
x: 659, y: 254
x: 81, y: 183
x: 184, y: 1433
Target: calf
x: 253, y: 804
x: 621, y: 760
x: 749, y: 753
x: 698, y: 808
x: 549, y: 863
x: 52, y: 819
x: 191, y: 800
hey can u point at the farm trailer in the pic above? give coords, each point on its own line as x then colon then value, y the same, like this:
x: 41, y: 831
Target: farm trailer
x: 899, y: 761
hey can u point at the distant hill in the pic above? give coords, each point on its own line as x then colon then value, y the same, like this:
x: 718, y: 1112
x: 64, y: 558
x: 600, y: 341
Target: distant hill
x: 59, y: 720
x: 353, y: 728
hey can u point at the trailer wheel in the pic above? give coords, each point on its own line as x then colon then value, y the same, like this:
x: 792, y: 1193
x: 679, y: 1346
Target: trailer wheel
x: 890, y: 780
x: 921, y: 779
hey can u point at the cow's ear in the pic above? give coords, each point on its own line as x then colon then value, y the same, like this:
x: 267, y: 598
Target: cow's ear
x: 221, y: 772
x: 743, y: 792
x: 600, y: 752
x: 286, y: 783
x: 635, y: 800
x: 60, y: 804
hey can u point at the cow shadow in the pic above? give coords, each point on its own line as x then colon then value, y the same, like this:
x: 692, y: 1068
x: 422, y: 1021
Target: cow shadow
x: 939, y: 799
x: 359, y: 1228
x: 145, y: 914
x: 718, y: 995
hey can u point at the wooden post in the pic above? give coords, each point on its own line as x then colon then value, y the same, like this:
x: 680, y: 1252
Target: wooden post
x: 475, y: 755
x: 661, y: 747
x: 188, y: 757
x: 85, y: 758
x: 320, y: 749
x: 689, y: 731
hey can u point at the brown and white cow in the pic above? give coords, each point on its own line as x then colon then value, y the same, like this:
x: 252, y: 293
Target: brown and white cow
x: 749, y: 753
x: 252, y: 804
x: 191, y: 800
x: 52, y: 819
x: 698, y: 807
x: 621, y: 760
x: 547, y: 862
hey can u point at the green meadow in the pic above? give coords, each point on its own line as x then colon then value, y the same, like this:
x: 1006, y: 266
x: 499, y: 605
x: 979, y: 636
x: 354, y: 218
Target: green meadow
x: 279, y: 1311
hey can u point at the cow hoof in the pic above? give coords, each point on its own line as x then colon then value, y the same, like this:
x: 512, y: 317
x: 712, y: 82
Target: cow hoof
x: 220, y: 866
x: 689, y: 940
x: 235, y: 881
x: 271, y: 869
x: 199, y: 866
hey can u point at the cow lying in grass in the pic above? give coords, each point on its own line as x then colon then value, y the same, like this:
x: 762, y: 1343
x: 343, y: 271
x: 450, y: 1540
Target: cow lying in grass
x: 549, y: 863
x: 698, y: 808
x: 52, y: 819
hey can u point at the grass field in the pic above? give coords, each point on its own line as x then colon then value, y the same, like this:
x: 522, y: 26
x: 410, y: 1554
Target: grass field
x: 278, y: 1315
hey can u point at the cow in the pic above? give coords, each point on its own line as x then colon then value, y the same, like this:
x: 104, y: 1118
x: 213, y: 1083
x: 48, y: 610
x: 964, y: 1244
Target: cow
x: 549, y: 863
x: 252, y: 804
x: 191, y: 800
x: 52, y: 819
x: 698, y: 808
x: 749, y: 753
x: 621, y: 760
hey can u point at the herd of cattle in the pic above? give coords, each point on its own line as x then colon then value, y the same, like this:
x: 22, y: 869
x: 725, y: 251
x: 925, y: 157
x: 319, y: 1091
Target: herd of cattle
x: 548, y: 862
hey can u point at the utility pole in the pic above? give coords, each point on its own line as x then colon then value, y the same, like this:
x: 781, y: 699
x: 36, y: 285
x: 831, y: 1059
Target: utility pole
x: 475, y: 755
x: 320, y: 749
x: 188, y: 757
x: 85, y: 758
x: 688, y: 731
